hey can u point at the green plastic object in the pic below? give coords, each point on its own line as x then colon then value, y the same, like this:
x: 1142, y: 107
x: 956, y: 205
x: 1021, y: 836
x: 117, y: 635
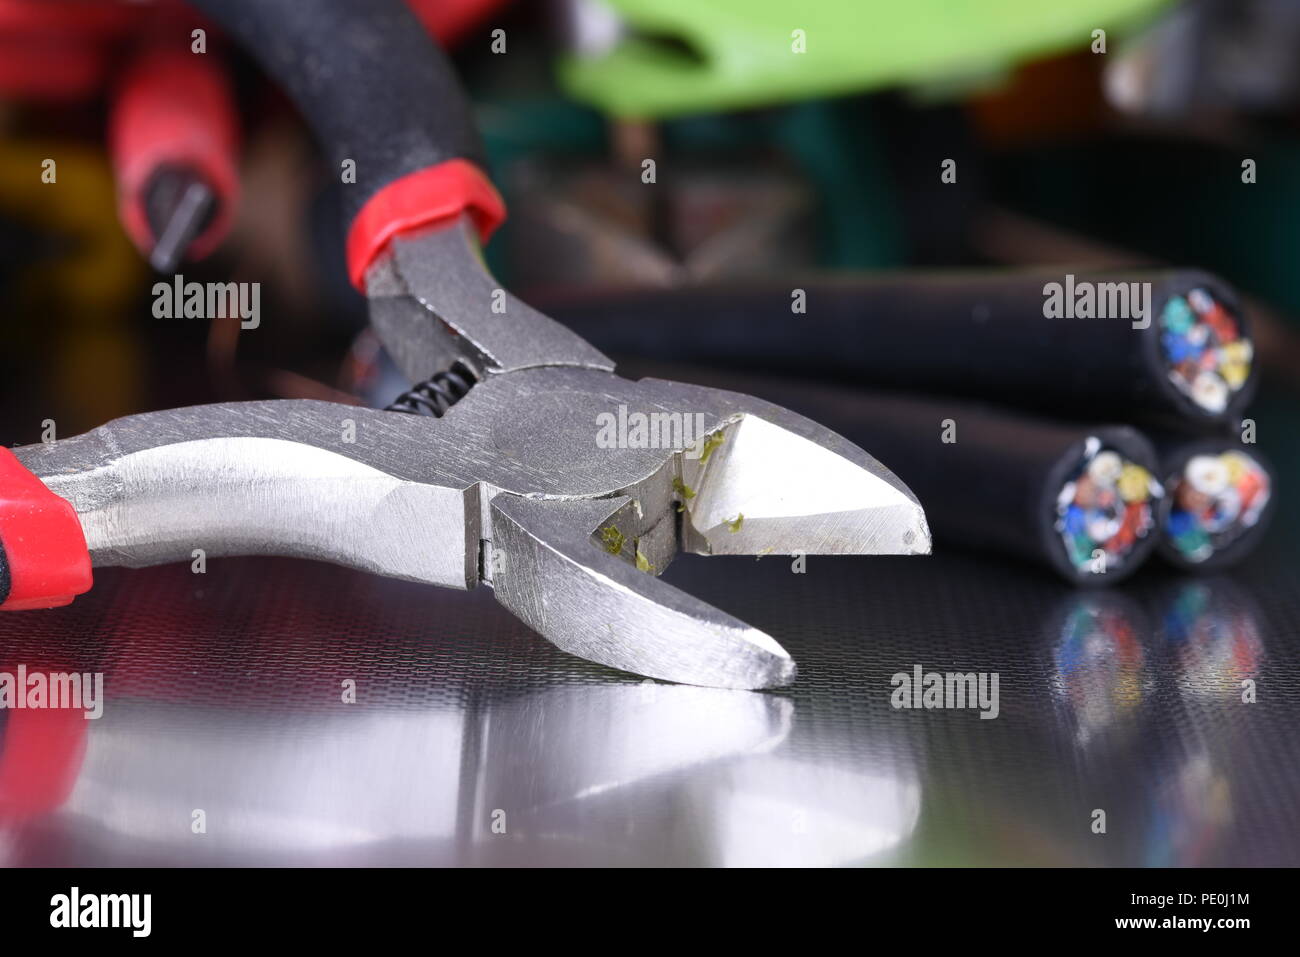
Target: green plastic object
x: 687, y: 56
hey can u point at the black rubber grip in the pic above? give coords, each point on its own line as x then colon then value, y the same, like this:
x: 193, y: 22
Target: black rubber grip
x: 367, y: 76
x: 978, y: 333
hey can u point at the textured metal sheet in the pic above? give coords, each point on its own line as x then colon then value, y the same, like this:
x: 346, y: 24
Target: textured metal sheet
x: 223, y: 694
x: 473, y: 741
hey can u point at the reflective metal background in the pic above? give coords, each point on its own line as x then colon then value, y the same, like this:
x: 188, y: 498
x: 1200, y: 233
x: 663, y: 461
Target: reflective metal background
x: 224, y: 694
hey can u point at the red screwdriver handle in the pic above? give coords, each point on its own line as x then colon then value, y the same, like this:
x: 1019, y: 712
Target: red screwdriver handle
x: 174, y: 109
x: 44, y: 561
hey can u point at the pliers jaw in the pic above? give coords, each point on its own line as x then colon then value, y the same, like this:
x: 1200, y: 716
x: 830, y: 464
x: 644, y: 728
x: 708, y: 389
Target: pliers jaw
x: 574, y: 551
x: 432, y: 302
x: 561, y: 581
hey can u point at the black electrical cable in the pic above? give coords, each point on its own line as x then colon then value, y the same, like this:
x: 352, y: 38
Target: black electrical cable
x: 981, y: 333
x: 989, y: 478
x: 1219, y: 498
x: 994, y: 479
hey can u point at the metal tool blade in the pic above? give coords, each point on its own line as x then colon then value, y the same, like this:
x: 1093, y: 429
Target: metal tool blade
x: 587, y: 601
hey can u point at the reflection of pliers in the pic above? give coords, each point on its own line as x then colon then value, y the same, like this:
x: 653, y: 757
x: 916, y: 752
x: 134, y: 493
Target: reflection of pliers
x: 540, y: 473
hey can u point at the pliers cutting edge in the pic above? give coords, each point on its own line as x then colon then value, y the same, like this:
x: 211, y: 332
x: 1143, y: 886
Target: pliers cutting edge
x: 510, y: 486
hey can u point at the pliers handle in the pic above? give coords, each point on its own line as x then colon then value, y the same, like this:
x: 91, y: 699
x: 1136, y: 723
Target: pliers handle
x: 389, y: 112
x: 385, y: 104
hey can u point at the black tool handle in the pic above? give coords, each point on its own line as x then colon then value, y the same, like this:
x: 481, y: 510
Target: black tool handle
x: 367, y: 76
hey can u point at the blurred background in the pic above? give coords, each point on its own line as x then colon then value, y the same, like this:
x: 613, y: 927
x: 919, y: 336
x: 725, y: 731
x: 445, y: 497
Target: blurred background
x: 1064, y: 156
x: 1086, y: 133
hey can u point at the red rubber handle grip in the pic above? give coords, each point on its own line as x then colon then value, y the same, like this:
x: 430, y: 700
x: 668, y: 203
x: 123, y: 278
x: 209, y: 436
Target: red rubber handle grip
x: 384, y: 103
x: 44, y: 561
x: 423, y: 198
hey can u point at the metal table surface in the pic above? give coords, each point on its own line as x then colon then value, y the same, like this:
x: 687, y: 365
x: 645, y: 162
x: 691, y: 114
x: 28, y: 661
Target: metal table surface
x: 472, y: 741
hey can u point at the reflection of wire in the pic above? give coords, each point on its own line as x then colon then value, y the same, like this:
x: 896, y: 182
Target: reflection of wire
x: 1213, y: 634
x: 1189, y: 811
x: 1216, y: 641
x: 1099, y: 665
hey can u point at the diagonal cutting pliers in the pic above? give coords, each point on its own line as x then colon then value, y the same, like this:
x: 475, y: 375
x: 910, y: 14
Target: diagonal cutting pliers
x: 535, y: 469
